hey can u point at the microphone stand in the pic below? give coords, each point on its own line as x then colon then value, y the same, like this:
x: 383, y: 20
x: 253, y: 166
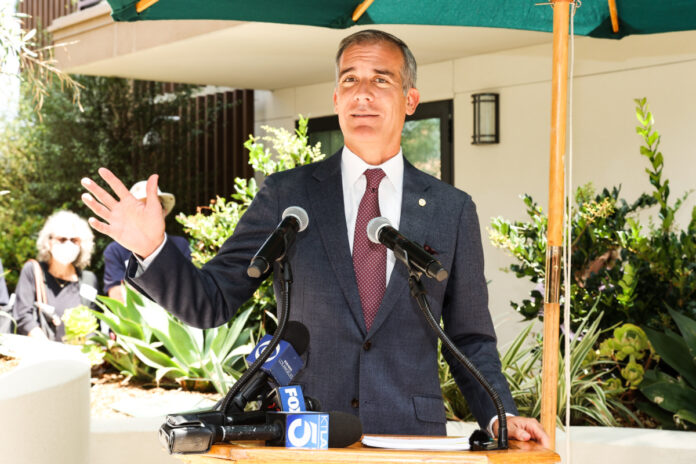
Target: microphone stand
x: 283, y: 315
x: 418, y: 292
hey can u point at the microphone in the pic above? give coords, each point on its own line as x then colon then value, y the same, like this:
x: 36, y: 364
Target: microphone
x: 188, y: 434
x: 275, y: 247
x: 280, y: 368
x: 379, y: 230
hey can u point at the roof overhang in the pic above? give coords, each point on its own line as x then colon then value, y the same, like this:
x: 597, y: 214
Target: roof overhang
x: 244, y: 54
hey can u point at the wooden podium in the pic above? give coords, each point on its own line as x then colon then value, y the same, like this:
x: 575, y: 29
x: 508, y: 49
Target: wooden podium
x: 254, y: 452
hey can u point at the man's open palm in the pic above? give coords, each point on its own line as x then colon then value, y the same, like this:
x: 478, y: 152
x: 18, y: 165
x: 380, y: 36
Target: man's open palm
x: 137, y: 225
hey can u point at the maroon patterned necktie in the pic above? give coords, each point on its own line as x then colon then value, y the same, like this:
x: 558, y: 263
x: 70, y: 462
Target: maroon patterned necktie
x: 369, y: 259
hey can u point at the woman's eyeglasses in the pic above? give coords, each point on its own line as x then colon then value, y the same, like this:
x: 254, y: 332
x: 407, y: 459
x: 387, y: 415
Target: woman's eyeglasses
x: 75, y: 240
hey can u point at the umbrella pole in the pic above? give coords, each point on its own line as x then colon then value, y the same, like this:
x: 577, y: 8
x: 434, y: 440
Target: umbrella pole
x: 554, y: 247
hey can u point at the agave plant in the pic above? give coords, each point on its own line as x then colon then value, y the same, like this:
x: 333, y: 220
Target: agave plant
x: 153, y: 344
x: 673, y: 398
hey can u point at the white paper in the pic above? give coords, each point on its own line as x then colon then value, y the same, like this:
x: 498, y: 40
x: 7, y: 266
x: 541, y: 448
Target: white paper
x: 427, y: 444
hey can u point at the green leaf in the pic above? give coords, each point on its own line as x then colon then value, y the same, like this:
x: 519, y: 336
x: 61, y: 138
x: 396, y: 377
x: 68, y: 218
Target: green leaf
x: 673, y: 350
x: 671, y: 396
x: 687, y: 415
x: 687, y: 326
x: 227, y: 339
x: 119, y: 326
x: 151, y: 356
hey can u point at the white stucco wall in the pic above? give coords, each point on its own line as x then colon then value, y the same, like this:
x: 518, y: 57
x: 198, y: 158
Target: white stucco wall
x: 609, y: 75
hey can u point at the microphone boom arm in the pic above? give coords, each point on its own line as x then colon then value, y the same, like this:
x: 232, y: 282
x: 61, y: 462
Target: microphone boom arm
x: 418, y: 292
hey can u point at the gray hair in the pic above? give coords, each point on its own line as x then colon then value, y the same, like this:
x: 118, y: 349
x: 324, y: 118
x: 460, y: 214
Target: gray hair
x: 371, y: 36
x: 66, y: 223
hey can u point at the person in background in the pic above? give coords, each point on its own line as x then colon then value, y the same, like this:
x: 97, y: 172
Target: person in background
x: 65, y: 246
x: 116, y: 256
x: 4, y: 296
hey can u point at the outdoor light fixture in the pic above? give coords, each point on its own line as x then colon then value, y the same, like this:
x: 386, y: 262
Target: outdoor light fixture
x: 486, y: 124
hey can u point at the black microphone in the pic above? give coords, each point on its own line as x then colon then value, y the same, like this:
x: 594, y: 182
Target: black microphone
x: 297, y: 335
x: 187, y: 434
x: 275, y: 247
x: 379, y: 230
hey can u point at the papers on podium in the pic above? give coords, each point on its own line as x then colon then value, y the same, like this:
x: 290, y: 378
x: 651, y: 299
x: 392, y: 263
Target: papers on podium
x: 417, y: 443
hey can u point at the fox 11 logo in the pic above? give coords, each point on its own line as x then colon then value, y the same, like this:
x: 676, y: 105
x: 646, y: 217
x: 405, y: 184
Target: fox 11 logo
x: 307, y: 431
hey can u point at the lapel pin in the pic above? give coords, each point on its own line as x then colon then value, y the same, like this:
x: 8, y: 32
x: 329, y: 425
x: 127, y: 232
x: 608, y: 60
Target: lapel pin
x: 421, y: 202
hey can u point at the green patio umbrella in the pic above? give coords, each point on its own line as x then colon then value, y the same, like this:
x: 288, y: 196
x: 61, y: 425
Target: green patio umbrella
x: 592, y: 19
x: 612, y: 19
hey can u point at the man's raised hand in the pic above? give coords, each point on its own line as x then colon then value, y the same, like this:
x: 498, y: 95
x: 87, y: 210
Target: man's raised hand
x: 137, y: 225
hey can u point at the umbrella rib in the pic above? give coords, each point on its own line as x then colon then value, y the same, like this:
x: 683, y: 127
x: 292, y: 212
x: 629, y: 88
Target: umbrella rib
x: 143, y: 5
x: 360, y: 9
x: 614, y: 14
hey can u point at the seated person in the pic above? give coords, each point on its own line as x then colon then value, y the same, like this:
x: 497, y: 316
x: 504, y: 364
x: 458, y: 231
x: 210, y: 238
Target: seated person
x: 65, y: 247
x: 116, y: 257
x: 4, y: 295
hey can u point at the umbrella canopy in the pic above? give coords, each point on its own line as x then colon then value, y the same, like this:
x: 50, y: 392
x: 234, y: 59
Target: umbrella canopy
x: 593, y: 17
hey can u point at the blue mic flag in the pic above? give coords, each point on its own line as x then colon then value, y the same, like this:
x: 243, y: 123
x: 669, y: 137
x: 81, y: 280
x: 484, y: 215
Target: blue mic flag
x: 283, y: 364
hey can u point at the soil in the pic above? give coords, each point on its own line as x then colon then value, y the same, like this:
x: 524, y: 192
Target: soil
x: 7, y: 364
x: 110, y: 387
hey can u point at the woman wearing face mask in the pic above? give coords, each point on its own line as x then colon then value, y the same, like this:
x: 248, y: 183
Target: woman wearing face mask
x: 64, y: 246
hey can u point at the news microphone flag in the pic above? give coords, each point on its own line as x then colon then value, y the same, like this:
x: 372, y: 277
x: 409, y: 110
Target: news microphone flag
x: 283, y: 364
x: 307, y: 430
x: 291, y: 399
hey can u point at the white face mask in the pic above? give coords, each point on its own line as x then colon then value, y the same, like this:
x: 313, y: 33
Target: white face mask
x: 65, y: 253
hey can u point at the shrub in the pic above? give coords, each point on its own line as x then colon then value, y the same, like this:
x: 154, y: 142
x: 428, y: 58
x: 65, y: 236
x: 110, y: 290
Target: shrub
x: 631, y: 272
x: 212, y: 225
x: 595, y: 390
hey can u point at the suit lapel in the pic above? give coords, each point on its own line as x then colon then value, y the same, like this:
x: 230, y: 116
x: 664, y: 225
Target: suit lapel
x: 413, y: 224
x: 326, y: 198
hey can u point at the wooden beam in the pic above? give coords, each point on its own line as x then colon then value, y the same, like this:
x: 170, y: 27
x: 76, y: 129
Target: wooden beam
x: 559, y: 92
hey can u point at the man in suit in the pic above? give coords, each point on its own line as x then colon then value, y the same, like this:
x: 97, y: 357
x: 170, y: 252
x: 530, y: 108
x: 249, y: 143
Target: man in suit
x: 370, y: 351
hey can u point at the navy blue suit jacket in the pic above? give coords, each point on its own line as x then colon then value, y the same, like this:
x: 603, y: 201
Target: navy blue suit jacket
x: 389, y: 374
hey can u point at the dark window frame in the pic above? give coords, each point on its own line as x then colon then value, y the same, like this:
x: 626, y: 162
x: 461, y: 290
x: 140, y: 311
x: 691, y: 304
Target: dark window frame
x: 441, y: 109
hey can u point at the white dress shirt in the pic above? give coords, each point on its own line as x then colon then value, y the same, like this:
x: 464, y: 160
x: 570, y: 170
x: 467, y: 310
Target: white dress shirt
x: 390, y: 193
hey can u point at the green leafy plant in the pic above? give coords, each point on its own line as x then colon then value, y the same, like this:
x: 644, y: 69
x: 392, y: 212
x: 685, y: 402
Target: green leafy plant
x: 595, y: 392
x: 628, y: 346
x: 151, y: 344
x: 631, y: 272
x: 80, y: 324
x: 212, y: 225
x: 672, y: 388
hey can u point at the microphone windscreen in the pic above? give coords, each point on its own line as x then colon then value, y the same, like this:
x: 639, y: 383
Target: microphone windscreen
x: 297, y: 334
x: 298, y: 213
x: 374, y: 226
x: 344, y: 429
x: 312, y: 404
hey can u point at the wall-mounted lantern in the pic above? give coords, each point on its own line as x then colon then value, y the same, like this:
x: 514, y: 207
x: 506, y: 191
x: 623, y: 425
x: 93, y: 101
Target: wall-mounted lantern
x: 486, y: 118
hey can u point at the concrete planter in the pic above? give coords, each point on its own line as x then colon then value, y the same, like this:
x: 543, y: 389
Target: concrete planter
x: 44, y: 403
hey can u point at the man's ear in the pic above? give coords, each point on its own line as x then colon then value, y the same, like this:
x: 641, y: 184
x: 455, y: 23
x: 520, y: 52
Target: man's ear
x: 412, y: 100
x: 335, y: 97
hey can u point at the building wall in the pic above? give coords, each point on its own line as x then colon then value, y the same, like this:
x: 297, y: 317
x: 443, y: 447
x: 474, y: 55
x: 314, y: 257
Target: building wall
x: 609, y: 75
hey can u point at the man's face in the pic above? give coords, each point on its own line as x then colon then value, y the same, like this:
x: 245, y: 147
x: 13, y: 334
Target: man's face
x: 369, y: 97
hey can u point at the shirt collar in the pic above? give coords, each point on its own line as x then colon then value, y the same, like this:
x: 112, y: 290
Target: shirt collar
x: 353, y: 167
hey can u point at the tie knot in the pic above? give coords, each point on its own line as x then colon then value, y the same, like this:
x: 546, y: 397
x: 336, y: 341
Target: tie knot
x: 374, y: 177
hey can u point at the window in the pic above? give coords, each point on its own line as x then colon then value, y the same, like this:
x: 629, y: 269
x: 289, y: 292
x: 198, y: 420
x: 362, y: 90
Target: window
x: 426, y: 139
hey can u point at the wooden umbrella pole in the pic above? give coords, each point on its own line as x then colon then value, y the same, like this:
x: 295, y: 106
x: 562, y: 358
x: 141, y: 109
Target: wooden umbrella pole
x: 554, y: 247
